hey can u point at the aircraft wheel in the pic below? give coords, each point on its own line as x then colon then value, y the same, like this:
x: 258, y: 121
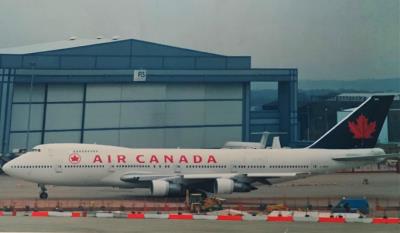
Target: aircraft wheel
x: 43, y: 195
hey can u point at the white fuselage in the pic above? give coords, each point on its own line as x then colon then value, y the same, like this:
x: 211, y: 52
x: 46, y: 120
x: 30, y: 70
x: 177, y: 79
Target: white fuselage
x: 100, y: 165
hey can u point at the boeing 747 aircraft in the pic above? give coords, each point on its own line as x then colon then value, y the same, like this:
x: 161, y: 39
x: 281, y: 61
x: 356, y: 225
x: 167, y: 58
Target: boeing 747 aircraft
x: 166, y: 172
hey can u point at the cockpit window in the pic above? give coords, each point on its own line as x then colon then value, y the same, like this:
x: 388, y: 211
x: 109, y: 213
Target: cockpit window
x: 36, y: 150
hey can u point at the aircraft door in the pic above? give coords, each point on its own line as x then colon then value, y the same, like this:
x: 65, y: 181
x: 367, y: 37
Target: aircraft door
x: 56, y: 160
x: 111, y: 168
x: 313, y: 166
x: 234, y: 166
x: 177, y: 168
x: 58, y: 168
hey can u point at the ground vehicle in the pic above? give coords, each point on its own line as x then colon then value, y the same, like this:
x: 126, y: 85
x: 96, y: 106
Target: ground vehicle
x: 352, y: 205
x: 199, y: 203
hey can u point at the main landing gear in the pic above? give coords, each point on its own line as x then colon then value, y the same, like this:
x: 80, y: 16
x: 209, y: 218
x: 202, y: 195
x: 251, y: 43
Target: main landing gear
x: 43, y: 192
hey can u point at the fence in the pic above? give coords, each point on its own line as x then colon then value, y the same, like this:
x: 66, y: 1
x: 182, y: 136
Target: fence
x: 378, y: 206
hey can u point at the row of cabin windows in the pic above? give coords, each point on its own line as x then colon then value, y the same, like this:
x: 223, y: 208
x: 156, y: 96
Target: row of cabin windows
x: 85, y: 151
x: 146, y: 166
x: 248, y: 166
x: 143, y: 165
x: 165, y: 166
x: 270, y: 166
x: 83, y: 166
x: 168, y: 166
x: 133, y: 165
x: 289, y: 166
x: 205, y: 166
x: 31, y: 166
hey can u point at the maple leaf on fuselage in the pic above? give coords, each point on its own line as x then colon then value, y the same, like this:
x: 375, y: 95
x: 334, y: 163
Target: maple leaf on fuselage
x: 361, y: 129
x: 74, y: 158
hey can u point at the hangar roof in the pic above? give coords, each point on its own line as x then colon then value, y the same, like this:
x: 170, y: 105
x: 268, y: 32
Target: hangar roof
x: 56, y: 45
x: 115, y: 54
x: 114, y: 60
x: 79, y: 43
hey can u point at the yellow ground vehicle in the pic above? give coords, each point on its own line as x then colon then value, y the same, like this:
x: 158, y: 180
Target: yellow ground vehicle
x: 197, y: 203
x: 277, y: 207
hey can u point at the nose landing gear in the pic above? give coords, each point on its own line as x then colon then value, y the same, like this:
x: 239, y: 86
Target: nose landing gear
x: 43, y: 192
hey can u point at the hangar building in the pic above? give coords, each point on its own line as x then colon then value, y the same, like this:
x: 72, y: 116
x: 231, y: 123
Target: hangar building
x: 134, y: 93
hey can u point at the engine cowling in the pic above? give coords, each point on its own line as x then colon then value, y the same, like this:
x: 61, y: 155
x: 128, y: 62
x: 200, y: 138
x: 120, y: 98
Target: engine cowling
x: 223, y: 186
x: 228, y: 186
x: 243, y: 187
x: 162, y: 188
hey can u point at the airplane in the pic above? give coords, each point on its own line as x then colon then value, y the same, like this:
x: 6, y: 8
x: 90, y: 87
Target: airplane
x: 170, y: 172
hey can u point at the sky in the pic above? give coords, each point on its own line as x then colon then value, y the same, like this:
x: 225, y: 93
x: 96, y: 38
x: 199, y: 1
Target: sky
x: 324, y: 39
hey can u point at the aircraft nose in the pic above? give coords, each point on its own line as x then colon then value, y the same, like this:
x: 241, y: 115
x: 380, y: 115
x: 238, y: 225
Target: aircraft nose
x: 7, y: 168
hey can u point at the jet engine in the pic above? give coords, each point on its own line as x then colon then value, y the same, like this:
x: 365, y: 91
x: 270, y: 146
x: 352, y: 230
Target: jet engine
x: 161, y: 188
x: 243, y: 187
x: 228, y: 186
x: 223, y: 186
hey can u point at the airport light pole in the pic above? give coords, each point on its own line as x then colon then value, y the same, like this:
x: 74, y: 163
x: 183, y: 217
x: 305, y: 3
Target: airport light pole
x: 326, y: 119
x: 28, y: 128
x: 308, y: 122
x: 119, y: 115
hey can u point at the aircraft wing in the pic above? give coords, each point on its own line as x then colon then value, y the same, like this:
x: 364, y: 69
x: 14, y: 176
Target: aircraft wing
x: 236, y: 175
x: 241, y: 177
x: 133, y: 177
x: 367, y: 157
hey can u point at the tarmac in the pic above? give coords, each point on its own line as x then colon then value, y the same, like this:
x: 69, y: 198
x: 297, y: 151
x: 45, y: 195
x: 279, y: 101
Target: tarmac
x: 380, y: 185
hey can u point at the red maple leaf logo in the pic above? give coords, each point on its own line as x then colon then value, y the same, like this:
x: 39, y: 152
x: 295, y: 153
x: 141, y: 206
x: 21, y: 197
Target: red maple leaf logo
x: 361, y: 129
x: 74, y: 158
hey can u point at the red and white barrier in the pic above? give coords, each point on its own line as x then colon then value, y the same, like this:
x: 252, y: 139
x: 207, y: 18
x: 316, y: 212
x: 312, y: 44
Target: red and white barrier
x: 180, y: 216
x: 104, y: 215
x: 204, y: 217
x: 77, y: 214
x: 136, y: 216
x: 386, y: 220
x: 296, y: 216
x: 332, y: 219
x: 253, y: 217
x: 303, y: 216
x: 230, y: 217
x: 40, y: 214
x: 280, y: 218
